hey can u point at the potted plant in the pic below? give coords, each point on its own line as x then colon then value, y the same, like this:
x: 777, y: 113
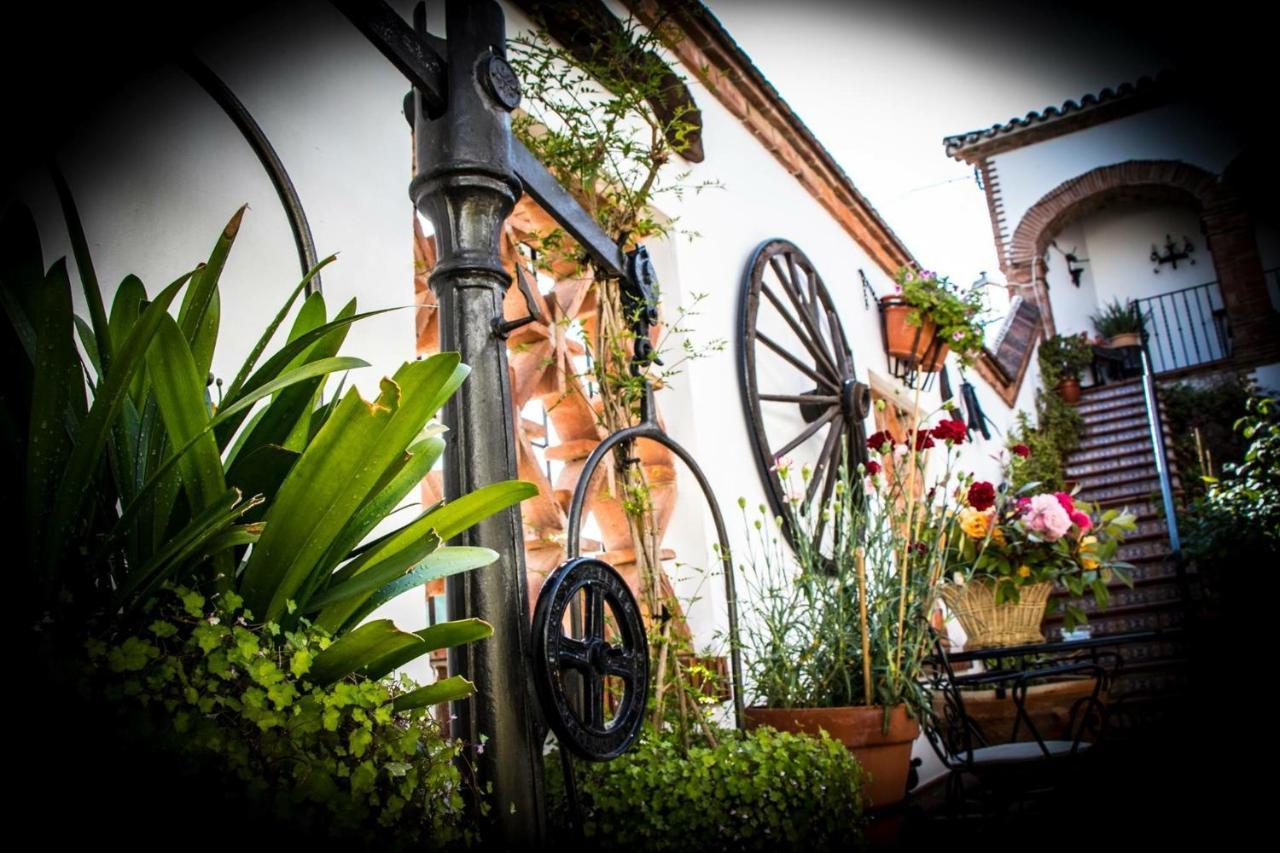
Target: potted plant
x: 1005, y: 554
x: 1120, y: 325
x: 1062, y: 359
x: 928, y: 317
x: 841, y: 628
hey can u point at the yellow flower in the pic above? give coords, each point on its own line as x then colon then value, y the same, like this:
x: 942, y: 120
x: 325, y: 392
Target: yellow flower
x: 1088, y: 562
x: 1024, y: 571
x: 973, y: 523
x: 997, y: 535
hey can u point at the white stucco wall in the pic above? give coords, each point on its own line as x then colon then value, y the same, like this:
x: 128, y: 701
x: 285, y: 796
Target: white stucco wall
x: 1173, y: 132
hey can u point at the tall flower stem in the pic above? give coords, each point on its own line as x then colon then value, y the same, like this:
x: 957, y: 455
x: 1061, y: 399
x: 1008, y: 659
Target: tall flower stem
x: 860, y: 561
x: 904, y: 567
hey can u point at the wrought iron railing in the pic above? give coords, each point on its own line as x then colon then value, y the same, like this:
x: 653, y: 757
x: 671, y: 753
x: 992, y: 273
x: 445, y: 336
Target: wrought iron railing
x: 1184, y: 328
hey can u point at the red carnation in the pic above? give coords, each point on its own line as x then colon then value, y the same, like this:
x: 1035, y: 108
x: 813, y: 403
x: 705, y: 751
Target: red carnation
x: 923, y: 441
x: 1065, y: 500
x: 982, y: 496
x: 1081, y: 520
x: 1022, y: 450
x: 951, y: 430
x: 879, y: 440
x: 873, y: 468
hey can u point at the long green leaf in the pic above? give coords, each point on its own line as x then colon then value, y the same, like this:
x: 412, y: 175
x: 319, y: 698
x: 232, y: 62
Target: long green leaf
x: 446, y: 520
x: 333, y: 479
x: 204, y: 527
x: 289, y: 406
x: 427, y: 570
x: 278, y: 363
x: 56, y: 381
x: 179, y: 391
x: 75, y: 485
x: 446, y: 635
x: 84, y: 265
x: 315, y: 368
x: 449, y: 689
x: 373, y: 578
x: 198, y: 317
x: 233, y: 389
x: 352, y: 652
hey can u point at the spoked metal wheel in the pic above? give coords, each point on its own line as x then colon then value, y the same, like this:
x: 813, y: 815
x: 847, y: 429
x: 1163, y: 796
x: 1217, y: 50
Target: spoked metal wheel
x: 799, y: 392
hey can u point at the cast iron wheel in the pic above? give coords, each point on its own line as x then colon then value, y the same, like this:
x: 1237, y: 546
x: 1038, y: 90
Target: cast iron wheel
x: 583, y: 729
x: 794, y: 359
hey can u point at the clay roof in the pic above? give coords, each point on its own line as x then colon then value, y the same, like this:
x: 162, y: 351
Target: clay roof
x: 1070, y: 116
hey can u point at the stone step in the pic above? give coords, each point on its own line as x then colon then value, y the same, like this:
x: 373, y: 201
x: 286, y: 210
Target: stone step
x: 1125, y: 424
x: 1156, y: 589
x: 1094, y: 404
x: 1097, y: 419
x: 1139, y: 607
x: 1144, y: 549
x: 1119, y: 462
x: 1139, y: 488
x: 1114, y: 389
x: 1110, y: 438
x: 1141, y: 619
x: 1110, y: 452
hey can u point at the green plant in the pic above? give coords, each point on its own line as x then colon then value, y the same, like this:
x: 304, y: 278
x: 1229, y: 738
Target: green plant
x: 1041, y: 449
x: 590, y: 117
x: 955, y: 312
x: 1237, y: 522
x: 1116, y: 319
x: 133, y: 480
x: 1064, y: 357
x: 846, y: 622
x: 1201, y: 417
x: 336, y: 756
x: 756, y: 790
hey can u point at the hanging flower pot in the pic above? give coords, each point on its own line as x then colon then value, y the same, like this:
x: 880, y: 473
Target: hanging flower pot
x: 916, y: 345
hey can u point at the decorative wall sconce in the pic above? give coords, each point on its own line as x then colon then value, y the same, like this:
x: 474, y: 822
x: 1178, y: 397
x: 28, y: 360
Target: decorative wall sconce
x: 1073, y: 266
x: 1172, y: 254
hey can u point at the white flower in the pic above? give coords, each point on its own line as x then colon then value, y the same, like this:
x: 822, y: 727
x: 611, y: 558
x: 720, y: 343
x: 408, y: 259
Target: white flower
x: 958, y: 578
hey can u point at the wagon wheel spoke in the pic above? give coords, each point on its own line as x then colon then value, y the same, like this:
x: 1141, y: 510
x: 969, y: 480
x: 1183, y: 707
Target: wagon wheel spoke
x: 800, y: 398
x: 815, y: 350
x: 829, y: 450
x: 795, y: 362
x: 841, y: 356
x: 804, y: 436
x: 827, y: 489
x: 792, y: 289
x: 595, y: 613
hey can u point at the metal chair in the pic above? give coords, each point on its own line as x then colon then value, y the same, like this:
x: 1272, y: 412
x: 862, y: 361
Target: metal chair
x: 1009, y: 774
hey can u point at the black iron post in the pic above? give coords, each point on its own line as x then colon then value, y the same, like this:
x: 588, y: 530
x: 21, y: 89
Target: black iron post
x: 467, y: 186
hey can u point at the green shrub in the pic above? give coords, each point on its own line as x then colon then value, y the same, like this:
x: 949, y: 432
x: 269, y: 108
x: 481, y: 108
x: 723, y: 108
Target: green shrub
x: 201, y: 681
x: 1212, y: 409
x: 756, y: 790
x: 1064, y: 357
x: 1116, y: 319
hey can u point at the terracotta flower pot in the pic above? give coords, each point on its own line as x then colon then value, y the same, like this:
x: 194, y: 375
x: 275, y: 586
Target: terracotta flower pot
x: 1069, y: 390
x: 911, y: 343
x: 886, y: 757
x: 1128, y: 339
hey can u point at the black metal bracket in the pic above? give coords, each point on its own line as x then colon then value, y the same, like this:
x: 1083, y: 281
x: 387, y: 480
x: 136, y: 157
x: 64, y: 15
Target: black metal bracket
x: 639, y: 291
x: 502, y: 327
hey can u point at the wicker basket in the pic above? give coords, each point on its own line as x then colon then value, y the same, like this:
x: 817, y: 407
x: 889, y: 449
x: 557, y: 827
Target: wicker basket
x: 988, y: 625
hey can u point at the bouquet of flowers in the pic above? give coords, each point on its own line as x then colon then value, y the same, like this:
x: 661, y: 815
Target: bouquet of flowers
x: 1014, y: 549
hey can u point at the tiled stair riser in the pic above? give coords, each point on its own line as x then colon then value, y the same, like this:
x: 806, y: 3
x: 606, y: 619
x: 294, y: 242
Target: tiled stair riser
x: 1109, y: 452
x: 1118, y: 461
x: 1093, y: 407
x: 1102, y: 417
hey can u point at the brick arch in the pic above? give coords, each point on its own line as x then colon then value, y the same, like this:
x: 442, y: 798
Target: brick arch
x: 1224, y: 221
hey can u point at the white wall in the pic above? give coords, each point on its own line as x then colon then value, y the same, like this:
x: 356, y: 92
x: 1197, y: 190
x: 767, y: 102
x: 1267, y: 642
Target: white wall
x: 1173, y: 132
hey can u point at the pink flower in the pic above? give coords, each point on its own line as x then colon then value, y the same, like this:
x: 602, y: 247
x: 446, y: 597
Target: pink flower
x: 1081, y: 520
x: 1047, y: 517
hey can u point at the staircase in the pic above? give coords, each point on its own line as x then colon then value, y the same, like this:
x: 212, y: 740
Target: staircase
x: 1115, y: 468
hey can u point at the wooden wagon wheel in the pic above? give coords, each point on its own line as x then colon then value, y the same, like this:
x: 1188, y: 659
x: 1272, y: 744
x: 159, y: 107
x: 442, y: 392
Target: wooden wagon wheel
x: 796, y: 371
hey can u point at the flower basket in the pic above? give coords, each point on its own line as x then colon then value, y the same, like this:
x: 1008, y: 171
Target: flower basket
x: 988, y: 625
x: 919, y: 346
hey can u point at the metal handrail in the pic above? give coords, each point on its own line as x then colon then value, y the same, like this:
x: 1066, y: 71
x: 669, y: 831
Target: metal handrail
x: 1185, y: 327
